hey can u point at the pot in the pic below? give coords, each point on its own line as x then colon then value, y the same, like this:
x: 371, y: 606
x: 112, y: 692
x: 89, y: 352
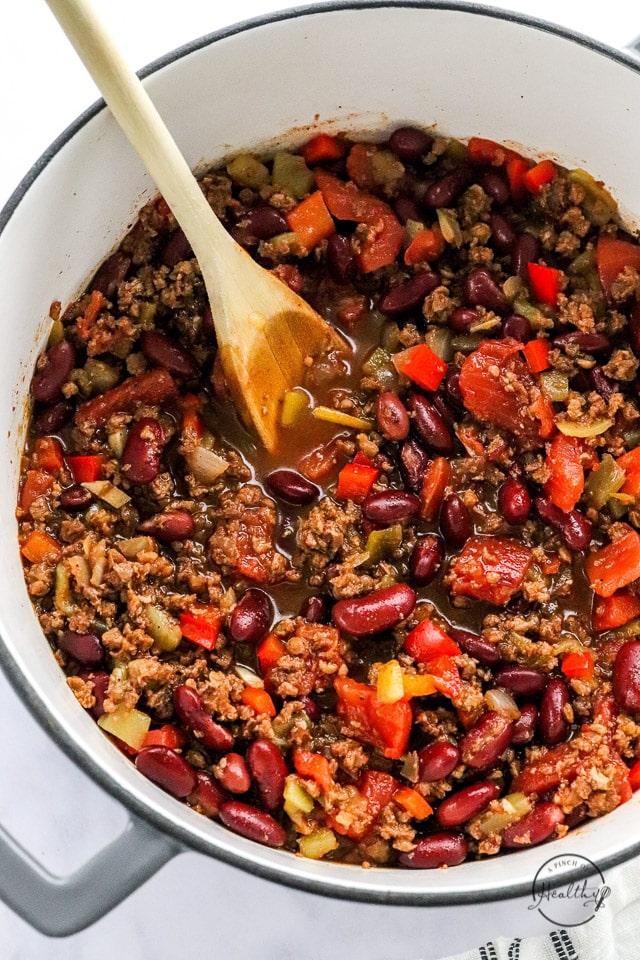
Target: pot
x: 466, y: 69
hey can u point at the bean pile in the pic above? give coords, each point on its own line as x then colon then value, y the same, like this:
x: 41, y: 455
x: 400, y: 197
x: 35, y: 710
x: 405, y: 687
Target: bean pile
x: 409, y: 637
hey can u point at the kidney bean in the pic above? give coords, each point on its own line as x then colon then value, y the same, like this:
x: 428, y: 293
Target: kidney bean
x: 598, y: 380
x: 437, y: 761
x: 99, y: 680
x: 86, y: 648
x: 413, y: 464
x: 112, y: 272
x: 442, y: 192
x: 233, y: 773
x: 252, y: 823
x: 463, y: 318
x: 265, y: 222
x: 376, y: 612
x: 474, y: 645
x: 142, y: 452
x: 391, y: 506
x: 392, y: 416
x: 577, y: 815
x: 502, y: 233
x: 480, y: 289
x: 208, y: 797
x: 409, y: 294
x: 445, y: 849
x: 535, y: 827
x: 524, y: 681
x: 406, y: 208
x: 251, y: 617
x: 269, y: 770
x: 495, y: 185
x: 633, y: 328
x: 426, y: 559
x: 75, y: 498
x: 554, y: 728
x: 189, y: 707
x: 589, y: 342
x: 466, y: 803
x: 168, y: 770
x: 169, y: 527
x: 445, y: 411
x: 626, y: 677
x: 455, y: 521
x: 518, y: 327
x: 514, y: 501
x: 164, y: 351
x: 47, y: 383
x: 291, y: 486
x: 452, y: 388
x: 573, y: 527
x: 52, y: 418
x: 316, y: 609
x: 340, y: 258
x: 486, y: 741
x: 429, y: 424
x: 311, y: 708
x: 155, y: 387
x: 525, y: 726
x: 525, y: 249
x: 176, y: 249
x: 410, y: 144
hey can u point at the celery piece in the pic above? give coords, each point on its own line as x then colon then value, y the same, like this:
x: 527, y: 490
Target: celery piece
x: 515, y: 807
x: 129, y: 725
x: 617, y: 508
x: 382, y: 543
x: 291, y: 174
x: 341, y: 418
x: 248, y: 171
x: 571, y: 428
x: 631, y: 629
x: 316, y: 845
x: 438, y: 339
x: 554, y: 385
x: 163, y: 628
x: 604, y: 482
x: 386, y: 168
x: 296, y: 797
x: 599, y: 205
x: 378, y: 359
x: 102, y: 376
x: 389, y: 685
x: 294, y: 403
x: 465, y: 343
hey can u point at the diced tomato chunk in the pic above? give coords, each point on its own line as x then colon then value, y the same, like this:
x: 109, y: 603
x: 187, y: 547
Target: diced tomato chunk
x: 566, y: 481
x: 428, y: 641
x: 386, y: 726
x: 489, y: 568
x: 201, y: 625
x: 615, y: 566
x: 612, y: 256
x: 615, y: 611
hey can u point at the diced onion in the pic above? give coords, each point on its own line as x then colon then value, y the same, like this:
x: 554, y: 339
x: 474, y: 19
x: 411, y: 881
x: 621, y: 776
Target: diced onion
x: 390, y: 687
x: 502, y: 702
x: 248, y: 676
x: 593, y: 429
x: 449, y: 227
x: 108, y: 492
x: 205, y: 465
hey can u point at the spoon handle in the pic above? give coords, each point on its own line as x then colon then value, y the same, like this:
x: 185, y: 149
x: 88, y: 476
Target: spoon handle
x: 141, y: 122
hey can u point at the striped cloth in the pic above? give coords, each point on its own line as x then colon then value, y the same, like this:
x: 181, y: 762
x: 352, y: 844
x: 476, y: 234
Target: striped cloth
x: 612, y: 934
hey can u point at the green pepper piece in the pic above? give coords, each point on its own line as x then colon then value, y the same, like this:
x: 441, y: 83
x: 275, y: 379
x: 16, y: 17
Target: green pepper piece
x: 382, y: 543
x: 604, y: 482
x: 291, y: 174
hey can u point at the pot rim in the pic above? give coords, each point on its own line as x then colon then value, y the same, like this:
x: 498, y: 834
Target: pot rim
x: 467, y: 894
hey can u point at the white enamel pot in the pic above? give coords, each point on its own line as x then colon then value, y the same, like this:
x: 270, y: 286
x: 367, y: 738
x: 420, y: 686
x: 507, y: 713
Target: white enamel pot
x: 358, y: 67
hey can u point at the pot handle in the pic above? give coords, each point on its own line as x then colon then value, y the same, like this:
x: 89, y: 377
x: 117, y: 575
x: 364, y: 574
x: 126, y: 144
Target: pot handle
x: 60, y: 906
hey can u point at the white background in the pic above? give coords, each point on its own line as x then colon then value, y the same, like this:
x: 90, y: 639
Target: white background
x: 194, y: 906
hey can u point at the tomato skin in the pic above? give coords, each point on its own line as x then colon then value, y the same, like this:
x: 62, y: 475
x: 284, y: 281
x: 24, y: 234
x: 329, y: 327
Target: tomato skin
x: 615, y: 611
x: 612, y: 256
x: 386, y: 726
x: 566, y: 483
x: 489, y: 568
x: 487, y: 377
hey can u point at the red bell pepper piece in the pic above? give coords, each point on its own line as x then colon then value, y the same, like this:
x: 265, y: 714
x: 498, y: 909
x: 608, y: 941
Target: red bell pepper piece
x: 259, y: 700
x: 386, y: 726
x: 634, y: 776
x: 535, y: 177
x: 166, y: 736
x: 346, y: 202
x: 311, y: 221
x: 545, y: 283
x: 84, y: 323
x: 566, y: 482
x: 269, y: 652
x: 614, y: 611
x: 436, y: 480
x: 481, y: 150
x: 355, y: 481
x: 578, y: 665
x: 86, y: 468
x: 446, y: 676
x: 359, y: 164
x: 47, y: 454
x: 428, y: 641
x: 612, y: 256
x: 630, y: 463
x: 490, y: 568
x: 40, y: 546
x: 427, y: 245
x: 537, y: 354
x: 323, y: 147
x: 414, y: 802
x: 201, y: 625
x: 516, y: 169
x: 615, y: 566
x: 315, y: 767
x: 378, y: 790
x: 36, y: 484
x: 422, y: 365
x: 487, y: 395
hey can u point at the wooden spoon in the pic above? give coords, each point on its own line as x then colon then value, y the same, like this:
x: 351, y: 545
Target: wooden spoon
x: 266, y: 333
